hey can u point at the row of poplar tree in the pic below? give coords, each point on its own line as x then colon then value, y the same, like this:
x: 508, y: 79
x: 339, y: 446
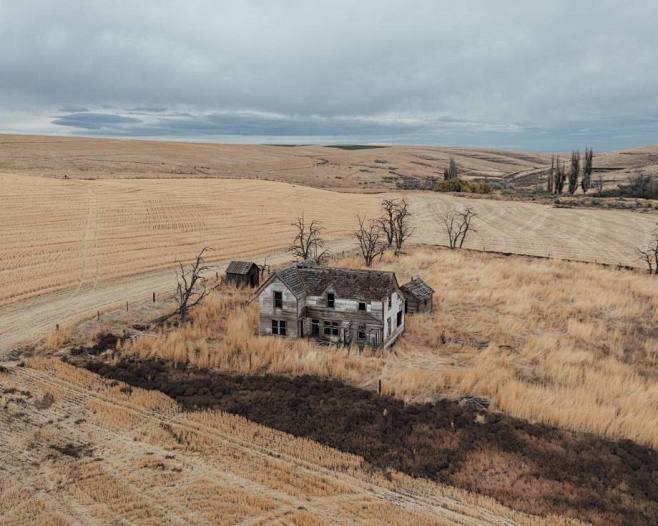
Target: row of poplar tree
x: 559, y: 176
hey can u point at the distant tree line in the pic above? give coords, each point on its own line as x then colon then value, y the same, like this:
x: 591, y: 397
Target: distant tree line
x: 558, y: 175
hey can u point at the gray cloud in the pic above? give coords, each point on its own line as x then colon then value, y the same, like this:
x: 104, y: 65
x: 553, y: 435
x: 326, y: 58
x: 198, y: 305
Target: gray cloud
x: 95, y: 121
x: 488, y: 72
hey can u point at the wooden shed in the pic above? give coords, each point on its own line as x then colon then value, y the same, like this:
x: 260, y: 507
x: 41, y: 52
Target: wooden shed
x: 243, y: 274
x: 418, y: 296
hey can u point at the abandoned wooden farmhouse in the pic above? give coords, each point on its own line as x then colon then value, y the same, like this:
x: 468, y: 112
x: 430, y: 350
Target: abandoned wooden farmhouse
x: 243, y: 274
x: 345, y: 306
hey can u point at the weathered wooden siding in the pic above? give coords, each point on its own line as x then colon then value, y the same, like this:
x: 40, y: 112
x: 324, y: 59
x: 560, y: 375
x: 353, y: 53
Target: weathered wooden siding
x: 345, y: 305
x: 289, y: 312
x: 390, y: 316
x: 414, y: 305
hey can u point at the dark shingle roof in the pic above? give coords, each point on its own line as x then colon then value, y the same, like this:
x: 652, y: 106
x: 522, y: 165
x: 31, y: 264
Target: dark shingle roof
x: 418, y: 289
x: 239, y: 267
x: 364, y: 285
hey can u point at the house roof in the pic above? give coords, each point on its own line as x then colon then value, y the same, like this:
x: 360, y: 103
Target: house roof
x: 240, y: 267
x: 418, y: 289
x: 366, y: 285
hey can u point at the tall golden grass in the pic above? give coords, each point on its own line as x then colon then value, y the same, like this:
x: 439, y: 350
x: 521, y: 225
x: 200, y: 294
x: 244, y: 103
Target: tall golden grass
x: 568, y: 344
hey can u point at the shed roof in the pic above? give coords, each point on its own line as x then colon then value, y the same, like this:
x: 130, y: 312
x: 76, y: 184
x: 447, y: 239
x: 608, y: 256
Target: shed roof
x: 418, y: 289
x: 364, y: 285
x: 240, y: 267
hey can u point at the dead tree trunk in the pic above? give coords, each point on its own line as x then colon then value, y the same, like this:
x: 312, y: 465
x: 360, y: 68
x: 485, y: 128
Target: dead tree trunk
x: 308, y: 242
x: 371, y: 242
x: 649, y: 254
x: 458, y: 224
x: 191, y: 288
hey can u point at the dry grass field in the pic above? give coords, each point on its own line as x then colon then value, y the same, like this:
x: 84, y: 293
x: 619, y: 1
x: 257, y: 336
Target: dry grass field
x: 79, y: 450
x: 567, y: 344
x: 72, y: 247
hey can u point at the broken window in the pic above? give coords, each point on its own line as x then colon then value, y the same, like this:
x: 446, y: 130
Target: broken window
x: 331, y: 300
x: 278, y: 299
x: 362, y: 305
x: 399, y: 318
x: 279, y: 327
x: 362, y: 332
x: 388, y: 324
x: 331, y: 328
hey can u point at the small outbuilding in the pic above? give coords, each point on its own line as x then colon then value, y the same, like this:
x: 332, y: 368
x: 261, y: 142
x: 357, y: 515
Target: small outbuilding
x: 243, y: 274
x: 418, y: 296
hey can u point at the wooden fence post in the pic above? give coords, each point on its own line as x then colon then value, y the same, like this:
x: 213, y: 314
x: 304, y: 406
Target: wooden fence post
x: 379, y: 387
x: 98, y: 315
x: 126, y: 306
x: 57, y: 327
x: 153, y: 297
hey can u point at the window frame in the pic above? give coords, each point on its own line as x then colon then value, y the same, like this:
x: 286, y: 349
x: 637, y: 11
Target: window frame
x: 331, y: 300
x: 365, y: 306
x: 279, y: 328
x: 278, y: 299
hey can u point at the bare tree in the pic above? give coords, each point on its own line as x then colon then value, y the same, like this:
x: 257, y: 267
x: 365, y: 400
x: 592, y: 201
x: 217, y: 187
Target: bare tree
x: 191, y: 288
x: 574, y: 171
x: 550, y: 180
x: 403, y: 228
x: 308, y: 242
x: 588, y: 168
x: 387, y: 220
x: 371, y: 240
x: 649, y: 254
x: 458, y: 224
x: 452, y: 171
x: 599, y: 185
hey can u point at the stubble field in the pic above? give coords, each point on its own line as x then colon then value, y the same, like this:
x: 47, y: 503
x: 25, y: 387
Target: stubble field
x: 72, y: 247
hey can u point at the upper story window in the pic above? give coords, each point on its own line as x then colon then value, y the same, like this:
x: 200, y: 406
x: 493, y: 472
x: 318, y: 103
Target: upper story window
x: 278, y: 299
x: 362, y: 305
x: 331, y: 300
x: 390, y: 301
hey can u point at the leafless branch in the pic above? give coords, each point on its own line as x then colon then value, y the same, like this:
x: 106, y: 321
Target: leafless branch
x: 371, y: 240
x: 649, y: 254
x: 308, y: 242
x: 191, y: 288
x: 458, y: 224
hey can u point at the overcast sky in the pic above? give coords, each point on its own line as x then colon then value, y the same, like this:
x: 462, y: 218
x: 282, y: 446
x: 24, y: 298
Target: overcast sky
x: 542, y: 75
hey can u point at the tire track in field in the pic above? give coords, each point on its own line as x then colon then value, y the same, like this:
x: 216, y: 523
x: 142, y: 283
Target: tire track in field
x: 72, y: 400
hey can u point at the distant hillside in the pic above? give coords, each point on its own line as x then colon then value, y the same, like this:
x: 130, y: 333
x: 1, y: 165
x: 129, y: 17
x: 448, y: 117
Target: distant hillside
x: 342, y: 167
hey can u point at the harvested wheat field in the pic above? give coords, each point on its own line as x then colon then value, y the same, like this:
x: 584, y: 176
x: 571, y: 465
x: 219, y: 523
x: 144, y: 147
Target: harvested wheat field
x: 72, y: 247
x: 79, y: 450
